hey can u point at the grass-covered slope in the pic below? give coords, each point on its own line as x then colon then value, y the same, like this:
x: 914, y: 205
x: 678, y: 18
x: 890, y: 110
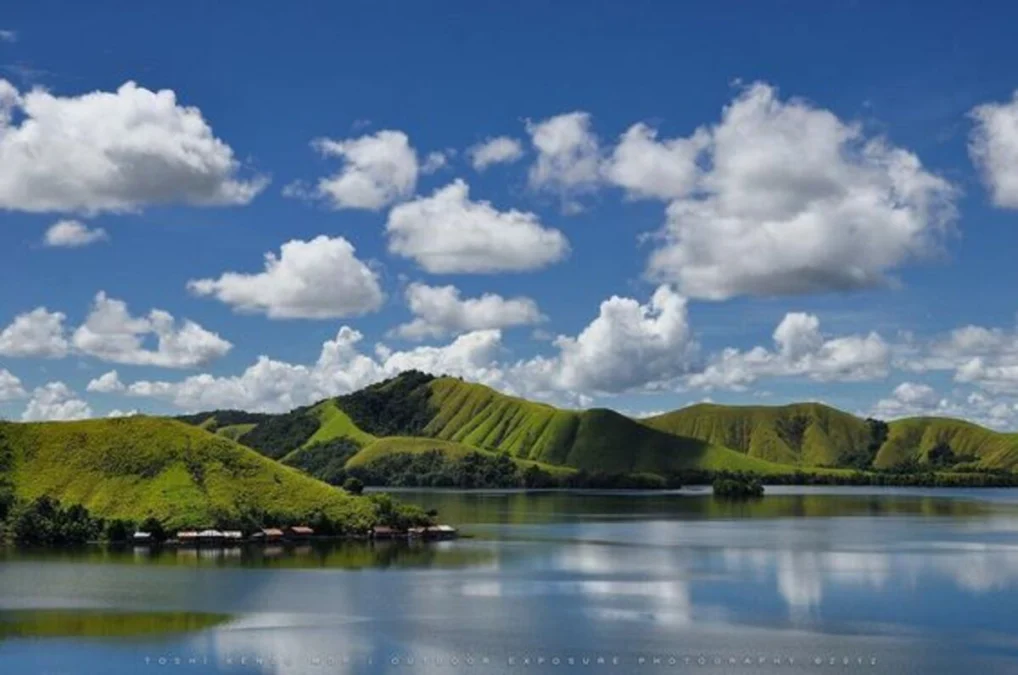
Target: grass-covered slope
x: 475, y: 417
x: 597, y: 440
x: 811, y: 435
x: 764, y: 439
x: 333, y: 424
x: 219, y: 419
x: 803, y: 434
x: 913, y: 440
x: 391, y: 445
x: 235, y: 431
x: 139, y: 466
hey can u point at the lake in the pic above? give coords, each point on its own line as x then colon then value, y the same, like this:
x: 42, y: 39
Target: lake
x: 874, y: 580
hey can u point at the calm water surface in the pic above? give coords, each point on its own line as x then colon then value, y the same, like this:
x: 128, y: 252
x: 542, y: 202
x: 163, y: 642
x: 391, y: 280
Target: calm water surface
x: 864, y: 579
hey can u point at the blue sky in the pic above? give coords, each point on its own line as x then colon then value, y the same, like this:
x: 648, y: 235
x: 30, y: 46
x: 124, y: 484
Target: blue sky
x: 815, y: 203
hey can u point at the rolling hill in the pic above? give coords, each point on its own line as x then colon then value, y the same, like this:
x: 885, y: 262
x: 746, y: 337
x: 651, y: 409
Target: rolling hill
x: 598, y: 439
x: 803, y: 434
x: 457, y: 417
x: 139, y: 466
x: 334, y: 423
x: 916, y: 438
x: 812, y: 434
x: 763, y: 439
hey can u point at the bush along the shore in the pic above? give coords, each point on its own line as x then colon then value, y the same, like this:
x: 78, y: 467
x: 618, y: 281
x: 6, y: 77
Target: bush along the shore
x: 398, y: 516
x: 45, y: 522
x: 737, y: 488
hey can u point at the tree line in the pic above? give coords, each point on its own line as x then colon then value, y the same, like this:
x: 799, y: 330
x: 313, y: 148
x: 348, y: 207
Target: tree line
x: 45, y: 521
x: 475, y: 470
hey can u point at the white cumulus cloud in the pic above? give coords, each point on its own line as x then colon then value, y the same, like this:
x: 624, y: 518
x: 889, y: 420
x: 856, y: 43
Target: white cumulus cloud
x: 568, y: 156
x: 448, y: 233
x: 651, y: 169
x: 994, y: 149
x: 10, y: 386
x: 984, y: 357
x: 434, y: 162
x: 378, y: 170
x: 272, y: 385
x: 317, y: 279
x: 73, y: 234
x: 627, y: 346
x: 112, y: 151
x: 107, y: 383
x: 800, y: 350
x: 55, y: 401
x: 439, y: 311
x: 36, y: 334
x: 911, y: 399
x: 907, y: 400
x: 111, y: 334
x: 794, y: 200
x: 499, y: 150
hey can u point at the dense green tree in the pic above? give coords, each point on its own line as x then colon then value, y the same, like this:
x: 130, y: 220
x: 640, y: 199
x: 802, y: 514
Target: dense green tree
x: 280, y: 434
x: 399, y: 516
x: 353, y: 485
x: 534, y: 477
x: 396, y: 407
x: 225, y: 418
x: 862, y: 458
x: 737, y: 487
x: 325, y: 461
x: 154, y: 527
x: 44, y: 522
x: 7, y: 500
x: 118, y: 530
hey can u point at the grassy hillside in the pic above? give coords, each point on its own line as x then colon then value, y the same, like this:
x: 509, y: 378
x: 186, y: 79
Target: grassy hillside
x: 765, y: 439
x: 804, y: 434
x: 235, y: 431
x: 218, y: 419
x: 414, y: 445
x: 914, y: 439
x: 810, y: 434
x: 601, y: 440
x: 475, y: 417
x: 333, y: 424
x: 145, y: 466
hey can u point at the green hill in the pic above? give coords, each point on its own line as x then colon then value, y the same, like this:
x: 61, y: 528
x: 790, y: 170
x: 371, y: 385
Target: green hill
x: 139, y: 466
x: 334, y: 423
x: 450, y: 409
x: 235, y: 431
x: 320, y: 439
x: 803, y: 434
x: 916, y: 438
x: 811, y: 434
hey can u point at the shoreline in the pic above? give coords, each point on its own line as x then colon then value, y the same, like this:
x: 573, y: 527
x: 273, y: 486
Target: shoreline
x: 988, y: 495
x: 843, y: 479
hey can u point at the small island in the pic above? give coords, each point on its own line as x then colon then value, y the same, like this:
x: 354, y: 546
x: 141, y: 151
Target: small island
x: 738, y: 487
